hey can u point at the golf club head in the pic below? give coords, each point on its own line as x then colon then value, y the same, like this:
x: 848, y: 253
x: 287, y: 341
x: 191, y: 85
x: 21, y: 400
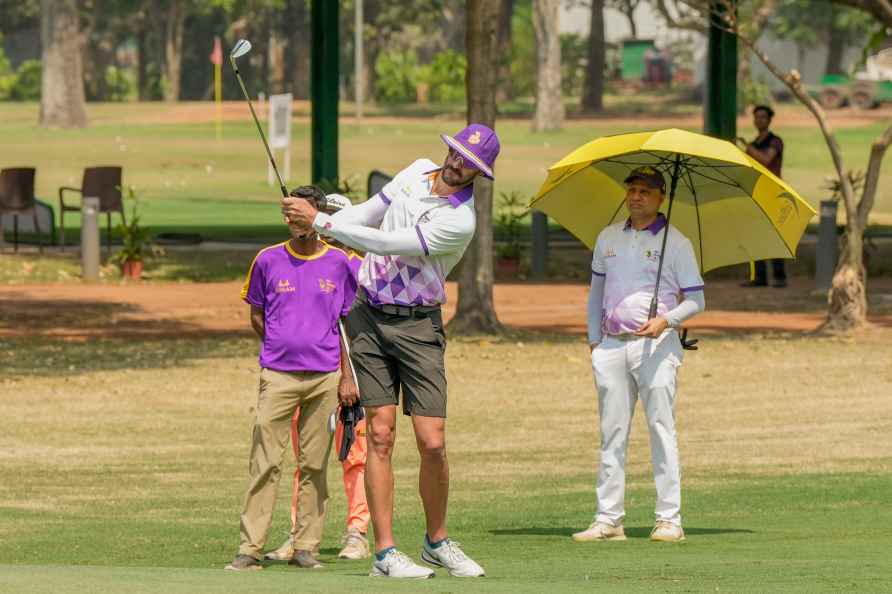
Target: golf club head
x: 241, y: 47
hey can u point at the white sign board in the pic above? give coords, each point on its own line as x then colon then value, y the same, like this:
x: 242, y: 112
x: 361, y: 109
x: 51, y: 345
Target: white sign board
x: 279, y: 119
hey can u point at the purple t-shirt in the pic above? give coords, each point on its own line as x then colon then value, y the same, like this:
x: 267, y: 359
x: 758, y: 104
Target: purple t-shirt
x: 302, y: 299
x: 355, y: 263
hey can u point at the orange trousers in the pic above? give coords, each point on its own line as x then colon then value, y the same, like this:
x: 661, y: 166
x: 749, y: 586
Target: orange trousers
x: 354, y: 476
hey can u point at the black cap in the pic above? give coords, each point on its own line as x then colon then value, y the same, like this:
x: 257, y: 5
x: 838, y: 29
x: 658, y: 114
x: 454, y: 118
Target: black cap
x: 648, y: 175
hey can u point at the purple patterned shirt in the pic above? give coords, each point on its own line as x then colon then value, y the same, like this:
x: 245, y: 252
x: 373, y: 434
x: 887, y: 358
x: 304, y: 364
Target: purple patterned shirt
x: 445, y: 227
x: 302, y: 298
x: 629, y: 260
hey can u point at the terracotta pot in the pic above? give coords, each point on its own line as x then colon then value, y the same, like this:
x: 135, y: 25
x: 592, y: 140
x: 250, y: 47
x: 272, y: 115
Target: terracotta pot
x: 508, y: 266
x: 132, y: 269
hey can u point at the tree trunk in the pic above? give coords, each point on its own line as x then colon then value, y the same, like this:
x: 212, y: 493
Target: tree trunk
x: 630, y: 16
x: 593, y: 93
x: 847, y: 299
x: 549, y: 106
x: 505, y: 91
x: 62, y: 81
x: 174, y: 24
x: 835, y: 49
x: 142, y: 63
x: 277, y: 49
x: 299, y: 51
x: 100, y: 55
x: 475, y: 312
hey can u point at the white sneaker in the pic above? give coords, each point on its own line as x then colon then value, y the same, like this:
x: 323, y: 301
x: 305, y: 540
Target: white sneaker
x: 600, y: 531
x: 283, y: 553
x: 666, y: 531
x: 356, y: 546
x: 398, y: 565
x: 450, y: 556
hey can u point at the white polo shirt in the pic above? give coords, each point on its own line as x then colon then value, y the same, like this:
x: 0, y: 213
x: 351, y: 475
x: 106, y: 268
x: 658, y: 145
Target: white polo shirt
x: 628, y: 259
x: 444, y: 226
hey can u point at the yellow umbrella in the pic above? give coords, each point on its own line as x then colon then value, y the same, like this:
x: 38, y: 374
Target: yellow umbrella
x: 731, y: 207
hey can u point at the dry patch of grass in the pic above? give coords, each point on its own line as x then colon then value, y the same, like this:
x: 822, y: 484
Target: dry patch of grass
x: 519, y: 412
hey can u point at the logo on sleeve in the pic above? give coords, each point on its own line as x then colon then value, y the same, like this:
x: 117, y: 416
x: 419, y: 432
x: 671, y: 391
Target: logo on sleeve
x: 326, y: 286
x: 283, y: 286
x: 610, y: 253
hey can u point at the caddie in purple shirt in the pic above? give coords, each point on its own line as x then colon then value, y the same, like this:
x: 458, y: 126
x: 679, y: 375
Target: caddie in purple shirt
x: 298, y: 292
x: 413, y: 233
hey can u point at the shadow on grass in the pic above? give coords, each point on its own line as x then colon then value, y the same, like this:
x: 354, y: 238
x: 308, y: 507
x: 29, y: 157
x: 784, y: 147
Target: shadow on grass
x: 42, y: 357
x: 78, y: 320
x: 633, y: 532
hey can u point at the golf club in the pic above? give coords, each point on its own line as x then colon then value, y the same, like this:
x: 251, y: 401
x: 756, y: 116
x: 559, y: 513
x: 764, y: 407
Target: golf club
x: 242, y: 47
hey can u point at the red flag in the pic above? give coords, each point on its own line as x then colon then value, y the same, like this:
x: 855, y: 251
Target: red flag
x: 217, y: 55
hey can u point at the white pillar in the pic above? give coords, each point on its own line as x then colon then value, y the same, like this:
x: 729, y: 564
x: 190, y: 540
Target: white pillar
x: 90, y: 238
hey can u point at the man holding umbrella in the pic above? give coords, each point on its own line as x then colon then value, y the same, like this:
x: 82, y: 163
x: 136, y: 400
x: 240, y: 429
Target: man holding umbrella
x: 635, y: 354
x: 413, y: 233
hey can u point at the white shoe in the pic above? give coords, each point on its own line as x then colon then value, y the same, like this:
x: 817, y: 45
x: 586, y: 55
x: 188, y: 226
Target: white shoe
x: 666, y: 531
x: 356, y: 546
x: 600, y: 531
x: 283, y: 553
x: 450, y: 556
x: 398, y: 565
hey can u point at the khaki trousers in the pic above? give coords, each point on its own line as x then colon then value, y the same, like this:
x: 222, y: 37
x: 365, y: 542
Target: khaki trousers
x: 281, y: 394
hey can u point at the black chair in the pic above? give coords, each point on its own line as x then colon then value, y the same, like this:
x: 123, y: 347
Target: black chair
x: 376, y: 182
x: 99, y: 182
x: 17, y: 197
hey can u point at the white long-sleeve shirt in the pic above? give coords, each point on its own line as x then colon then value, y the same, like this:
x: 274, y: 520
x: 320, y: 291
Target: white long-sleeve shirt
x: 411, y: 237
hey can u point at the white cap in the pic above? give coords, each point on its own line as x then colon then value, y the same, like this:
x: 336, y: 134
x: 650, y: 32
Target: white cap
x: 335, y: 202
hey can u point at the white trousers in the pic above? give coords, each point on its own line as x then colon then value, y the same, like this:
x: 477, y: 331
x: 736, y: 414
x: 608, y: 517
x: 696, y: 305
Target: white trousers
x: 625, y: 371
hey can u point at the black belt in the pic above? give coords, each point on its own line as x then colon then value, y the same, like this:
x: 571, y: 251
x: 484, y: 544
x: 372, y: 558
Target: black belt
x: 403, y: 311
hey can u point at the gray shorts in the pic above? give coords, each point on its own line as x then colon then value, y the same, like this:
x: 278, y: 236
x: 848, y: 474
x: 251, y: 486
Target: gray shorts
x: 392, y: 352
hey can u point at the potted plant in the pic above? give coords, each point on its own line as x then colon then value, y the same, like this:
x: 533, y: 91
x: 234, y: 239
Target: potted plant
x: 511, y: 213
x: 136, y: 241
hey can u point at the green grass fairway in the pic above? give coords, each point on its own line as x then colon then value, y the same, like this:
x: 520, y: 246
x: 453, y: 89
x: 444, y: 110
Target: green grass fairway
x: 192, y: 182
x: 805, y: 533
x: 123, y: 465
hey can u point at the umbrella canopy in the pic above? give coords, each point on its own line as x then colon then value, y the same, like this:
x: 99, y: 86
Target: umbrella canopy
x: 731, y: 207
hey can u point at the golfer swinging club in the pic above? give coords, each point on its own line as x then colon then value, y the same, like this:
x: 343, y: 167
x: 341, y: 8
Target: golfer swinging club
x: 414, y: 232
x: 635, y: 356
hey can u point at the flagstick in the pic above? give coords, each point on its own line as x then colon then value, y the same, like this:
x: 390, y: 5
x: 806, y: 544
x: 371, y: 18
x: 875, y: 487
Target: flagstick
x: 654, y: 301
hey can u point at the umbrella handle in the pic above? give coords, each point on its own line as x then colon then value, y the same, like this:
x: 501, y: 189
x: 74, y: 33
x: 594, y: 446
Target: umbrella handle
x: 688, y: 345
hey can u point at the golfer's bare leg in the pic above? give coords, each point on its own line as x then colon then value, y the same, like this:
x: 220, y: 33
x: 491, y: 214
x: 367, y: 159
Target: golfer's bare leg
x: 381, y: 432
x: 433, y: 479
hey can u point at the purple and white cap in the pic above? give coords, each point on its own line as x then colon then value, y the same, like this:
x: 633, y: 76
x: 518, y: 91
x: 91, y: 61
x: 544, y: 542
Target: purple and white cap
x: 478, y: 145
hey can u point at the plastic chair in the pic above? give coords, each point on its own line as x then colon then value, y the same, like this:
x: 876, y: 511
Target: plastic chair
x: 99, y: 182
x: 17, y: 197
x: 376, y: 182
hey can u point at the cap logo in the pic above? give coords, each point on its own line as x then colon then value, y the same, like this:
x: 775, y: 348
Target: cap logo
x: 474, y: 138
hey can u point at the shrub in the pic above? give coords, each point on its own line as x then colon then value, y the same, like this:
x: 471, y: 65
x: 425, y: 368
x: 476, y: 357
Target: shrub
x: 26, y: 86
x: 512, y: 211
x: 446, y: 77
x: 396, y: 77
x: 120, y: 83
x: 7, y: 75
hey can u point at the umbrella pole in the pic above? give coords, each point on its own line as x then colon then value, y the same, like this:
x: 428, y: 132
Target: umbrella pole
x: 673, y: 185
